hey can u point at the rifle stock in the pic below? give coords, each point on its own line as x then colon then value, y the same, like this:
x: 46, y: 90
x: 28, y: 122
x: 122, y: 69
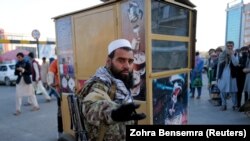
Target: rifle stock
x: 77, y: 122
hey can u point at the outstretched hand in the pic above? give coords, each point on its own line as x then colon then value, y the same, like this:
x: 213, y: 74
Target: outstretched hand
x: 126, y: 112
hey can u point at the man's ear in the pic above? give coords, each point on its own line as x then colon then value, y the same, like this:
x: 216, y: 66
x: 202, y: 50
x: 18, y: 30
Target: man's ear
x: 108, y: 62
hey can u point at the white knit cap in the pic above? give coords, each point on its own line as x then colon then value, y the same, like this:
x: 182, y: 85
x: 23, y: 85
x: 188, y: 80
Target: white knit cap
x: 118, y: 44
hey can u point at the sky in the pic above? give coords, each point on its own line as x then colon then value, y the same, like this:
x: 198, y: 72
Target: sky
x: 23, y: 16
x: 211, y: 22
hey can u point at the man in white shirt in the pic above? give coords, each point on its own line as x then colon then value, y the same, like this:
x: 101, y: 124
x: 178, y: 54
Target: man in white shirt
x: 44, y: 71
x: 36, y: 77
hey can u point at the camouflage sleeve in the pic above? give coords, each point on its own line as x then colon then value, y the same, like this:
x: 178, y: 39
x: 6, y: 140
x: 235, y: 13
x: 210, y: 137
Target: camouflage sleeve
x: 98, y: 111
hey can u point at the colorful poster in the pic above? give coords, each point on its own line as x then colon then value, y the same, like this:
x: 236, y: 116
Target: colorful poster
x: 65, y: 54
x: 170, y: 98
x: 133, y: 29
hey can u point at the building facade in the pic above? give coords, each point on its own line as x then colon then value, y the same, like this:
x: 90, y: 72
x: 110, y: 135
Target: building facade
x: 234, y: 23
x: 246, y: 25
x: 238, y: 23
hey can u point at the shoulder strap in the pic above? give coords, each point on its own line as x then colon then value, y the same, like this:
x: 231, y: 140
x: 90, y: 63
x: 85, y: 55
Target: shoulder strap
x: 86, y: 88
x: 112, y: 91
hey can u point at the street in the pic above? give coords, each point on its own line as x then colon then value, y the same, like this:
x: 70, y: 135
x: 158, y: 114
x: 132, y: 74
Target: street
x: 42, y: 125
x: 202, y: 112
x: 29, y: 126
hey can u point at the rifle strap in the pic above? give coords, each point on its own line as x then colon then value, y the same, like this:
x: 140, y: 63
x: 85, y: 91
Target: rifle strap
x: 103, y: 127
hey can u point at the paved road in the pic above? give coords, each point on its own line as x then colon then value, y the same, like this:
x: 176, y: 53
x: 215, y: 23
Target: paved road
x: 29, y: 126
x: 201, y: 111
x: 41, y: 125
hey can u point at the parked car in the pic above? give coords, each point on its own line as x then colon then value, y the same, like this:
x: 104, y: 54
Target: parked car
x: 7, y: 75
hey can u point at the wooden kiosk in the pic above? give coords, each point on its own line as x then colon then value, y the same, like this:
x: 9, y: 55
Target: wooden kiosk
x: 162, y: 33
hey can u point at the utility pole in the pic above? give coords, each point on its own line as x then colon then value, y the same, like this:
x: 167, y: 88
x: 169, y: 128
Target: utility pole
x: 36, y: 35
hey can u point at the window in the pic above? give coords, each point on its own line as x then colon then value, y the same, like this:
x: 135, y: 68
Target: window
x: 169, y: 19
x: 12, y: 67
x: 3, y: 68
x: 169, y: 55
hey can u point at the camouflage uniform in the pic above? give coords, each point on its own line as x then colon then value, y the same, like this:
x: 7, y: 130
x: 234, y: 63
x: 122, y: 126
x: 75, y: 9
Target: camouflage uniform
x: 97, y: 107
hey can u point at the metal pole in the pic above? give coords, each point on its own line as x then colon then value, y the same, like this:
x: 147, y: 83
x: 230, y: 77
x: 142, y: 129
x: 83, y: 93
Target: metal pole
x: 37, y: 43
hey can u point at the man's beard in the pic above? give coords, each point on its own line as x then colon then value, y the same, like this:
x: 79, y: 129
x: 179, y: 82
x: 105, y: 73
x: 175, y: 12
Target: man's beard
x: 126, y: 79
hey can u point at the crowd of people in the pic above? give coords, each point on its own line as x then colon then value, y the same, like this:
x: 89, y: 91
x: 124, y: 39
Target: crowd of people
x: 106, y: 97
x: 228, y: 73
x: 108, y: 102
x: 34, y: 78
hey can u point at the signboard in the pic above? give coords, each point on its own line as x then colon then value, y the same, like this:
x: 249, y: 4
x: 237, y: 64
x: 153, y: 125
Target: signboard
x: 35, y: 34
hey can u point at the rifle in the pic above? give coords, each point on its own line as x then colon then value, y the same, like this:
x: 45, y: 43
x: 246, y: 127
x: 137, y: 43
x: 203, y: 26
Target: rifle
x: 77, y: 122
x: 77, y: 118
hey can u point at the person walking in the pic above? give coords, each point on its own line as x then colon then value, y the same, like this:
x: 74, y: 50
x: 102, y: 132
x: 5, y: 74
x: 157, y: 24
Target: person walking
x: 226, y: 75
x: 196, y: 76
x: 53, y: 78
x: 36, y: 77
x: 54, y: 83
x: 44, y: 72
x: 24, y: 84
x: 106, y: 97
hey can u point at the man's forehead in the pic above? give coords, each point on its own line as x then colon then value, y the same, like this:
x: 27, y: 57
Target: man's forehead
x: 121, y: 53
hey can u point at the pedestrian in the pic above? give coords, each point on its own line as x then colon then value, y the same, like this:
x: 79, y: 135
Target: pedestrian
x: 24, y: 84
x: 212, y: 86
x: 54, y: 83
x: 246, y: 70
x: 241, y: 76
x: 106, y: 97
x: 53, y: 78
x: 226, y: 75
x: 218, y: 51
x: 211, y: 63
x: 36, y: 77
x: 51, y: 59
x: 196, y: 76
x: 44, y: 71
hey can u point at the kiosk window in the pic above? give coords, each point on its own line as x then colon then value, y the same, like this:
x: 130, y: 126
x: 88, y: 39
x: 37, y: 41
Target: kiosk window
x: 169, y: 55
x: 169, y: 19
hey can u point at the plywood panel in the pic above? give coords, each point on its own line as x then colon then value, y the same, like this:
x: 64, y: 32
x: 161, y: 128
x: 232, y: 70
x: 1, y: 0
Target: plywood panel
x: 142, y: 109
x: 93, y: 32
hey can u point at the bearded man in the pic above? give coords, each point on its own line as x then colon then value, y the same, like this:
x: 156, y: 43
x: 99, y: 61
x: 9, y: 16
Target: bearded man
x: 106, y: 110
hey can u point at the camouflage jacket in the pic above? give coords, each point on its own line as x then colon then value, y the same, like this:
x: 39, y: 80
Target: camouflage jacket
x: 96, y: 109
